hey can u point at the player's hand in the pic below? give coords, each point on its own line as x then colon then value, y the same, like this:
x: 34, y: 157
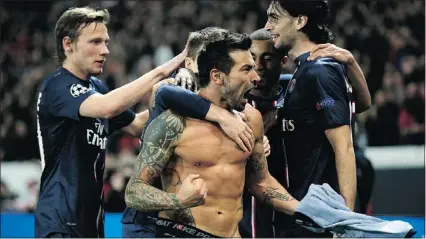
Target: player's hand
x: 266, y: 146
x: 235, y: 125
x: 186, y: 79
x: 193, y: 191
x: 331, y: 50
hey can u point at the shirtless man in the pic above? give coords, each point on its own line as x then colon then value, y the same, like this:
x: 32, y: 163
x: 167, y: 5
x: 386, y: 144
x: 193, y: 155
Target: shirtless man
x: 204, y: 172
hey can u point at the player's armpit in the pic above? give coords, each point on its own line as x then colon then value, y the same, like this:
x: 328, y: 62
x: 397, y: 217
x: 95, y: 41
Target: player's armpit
x: 158, y: 144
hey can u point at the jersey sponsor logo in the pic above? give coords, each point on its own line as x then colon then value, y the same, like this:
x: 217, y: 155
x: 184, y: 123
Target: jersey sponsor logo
x: 76, y: 90
x: 291, y: 85
x: 288, y: 125
x: 95, y: 138
x: 325, y: 103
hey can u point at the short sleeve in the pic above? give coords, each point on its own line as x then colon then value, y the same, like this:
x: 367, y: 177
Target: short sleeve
x: 330, y: 96
x: 121, y: 120
x: 64, y: 95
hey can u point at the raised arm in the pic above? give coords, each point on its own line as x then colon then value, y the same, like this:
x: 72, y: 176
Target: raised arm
x: 260, y: 182
x: 122, y: 98
x: 359, y: 84
x: 160, y: 139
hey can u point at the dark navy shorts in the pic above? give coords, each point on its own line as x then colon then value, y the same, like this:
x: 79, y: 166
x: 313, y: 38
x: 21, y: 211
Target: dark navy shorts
x: 169, y: 228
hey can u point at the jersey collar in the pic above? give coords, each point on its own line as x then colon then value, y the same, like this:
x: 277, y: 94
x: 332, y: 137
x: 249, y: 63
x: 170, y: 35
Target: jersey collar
x: 302, y: 58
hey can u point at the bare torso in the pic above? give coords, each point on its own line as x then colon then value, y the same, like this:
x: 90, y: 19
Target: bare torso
x: 205, y: 150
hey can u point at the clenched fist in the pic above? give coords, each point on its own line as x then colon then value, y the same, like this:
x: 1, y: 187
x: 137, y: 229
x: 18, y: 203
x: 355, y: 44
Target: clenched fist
x: 193, y: 191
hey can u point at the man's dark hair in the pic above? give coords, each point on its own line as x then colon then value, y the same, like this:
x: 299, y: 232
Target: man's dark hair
x: 72, y: 21
x: 317, y: 12
x: 197, y: 39
x: 215, y: 55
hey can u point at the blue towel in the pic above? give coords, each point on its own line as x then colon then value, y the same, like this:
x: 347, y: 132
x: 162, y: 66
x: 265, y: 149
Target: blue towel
x: 327, y: 209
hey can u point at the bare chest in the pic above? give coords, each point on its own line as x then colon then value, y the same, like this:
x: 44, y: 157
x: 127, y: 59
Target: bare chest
x: 206, y: 144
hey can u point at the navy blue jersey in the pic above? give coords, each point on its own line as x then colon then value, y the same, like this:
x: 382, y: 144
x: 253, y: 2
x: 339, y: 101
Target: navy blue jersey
x: 317, y: 98
x: 72, y: 149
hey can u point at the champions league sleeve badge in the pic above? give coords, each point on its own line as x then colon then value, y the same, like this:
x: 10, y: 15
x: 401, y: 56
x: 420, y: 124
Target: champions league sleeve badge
x: 76, y: 90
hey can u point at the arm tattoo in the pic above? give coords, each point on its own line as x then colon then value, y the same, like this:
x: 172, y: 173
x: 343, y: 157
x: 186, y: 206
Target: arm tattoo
x: 172, y: 178
x: 257, y: 162
x: 155, y: 153
x: 271, y: 193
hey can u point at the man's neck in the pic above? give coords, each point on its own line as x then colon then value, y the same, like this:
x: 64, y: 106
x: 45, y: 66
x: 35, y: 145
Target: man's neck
x: 74, y: 70
x: 299, y: 47
x: 211, y: 95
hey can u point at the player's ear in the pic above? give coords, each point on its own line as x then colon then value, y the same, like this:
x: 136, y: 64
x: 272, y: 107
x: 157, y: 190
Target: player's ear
x: 283, y: 61
x: 67, y: 44
x: 188, y: 62
x: 301, y: 21
x: 217, y: 77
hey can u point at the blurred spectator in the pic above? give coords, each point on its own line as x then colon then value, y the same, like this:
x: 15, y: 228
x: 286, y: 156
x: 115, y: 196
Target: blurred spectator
x: 382, y: 122
x: 114, y: 196
x: 7, y: 199
x: 28, y: 202
x: 412, y: 115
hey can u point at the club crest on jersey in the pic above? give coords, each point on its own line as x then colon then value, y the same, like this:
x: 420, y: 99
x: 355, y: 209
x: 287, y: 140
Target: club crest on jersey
x: 76, y: 90
x: 291, y: 85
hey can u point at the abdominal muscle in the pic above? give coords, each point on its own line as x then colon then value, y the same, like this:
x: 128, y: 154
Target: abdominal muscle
x: 222, y: 167
x: 222, y: 210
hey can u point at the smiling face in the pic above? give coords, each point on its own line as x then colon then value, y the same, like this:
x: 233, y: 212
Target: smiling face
x: 240, y: 80
x: 267, y: 63
x: 282, y: 26
x: 87, y: 54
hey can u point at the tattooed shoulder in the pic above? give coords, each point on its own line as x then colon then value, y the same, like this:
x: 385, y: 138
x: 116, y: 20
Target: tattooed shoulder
x: 157, y: 146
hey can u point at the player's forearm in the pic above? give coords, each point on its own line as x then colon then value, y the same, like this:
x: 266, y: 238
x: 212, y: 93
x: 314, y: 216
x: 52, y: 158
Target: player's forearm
x: 128, y: 95
x: 346, y: 175
x: 362, y: 94
x: 270, y: 191
x: 146, y: 198
x: 216, y: 114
